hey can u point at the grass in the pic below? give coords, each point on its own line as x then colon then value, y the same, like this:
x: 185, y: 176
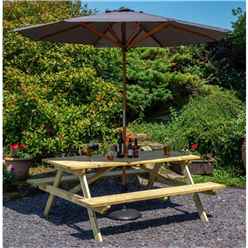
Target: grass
x: 224, y: 176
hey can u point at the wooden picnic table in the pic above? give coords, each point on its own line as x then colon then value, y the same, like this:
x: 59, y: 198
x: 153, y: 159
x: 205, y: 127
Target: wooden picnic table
x: 90, y: 169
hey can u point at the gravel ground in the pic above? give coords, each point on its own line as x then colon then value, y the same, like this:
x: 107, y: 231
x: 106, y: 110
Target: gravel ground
x: 163, y: 224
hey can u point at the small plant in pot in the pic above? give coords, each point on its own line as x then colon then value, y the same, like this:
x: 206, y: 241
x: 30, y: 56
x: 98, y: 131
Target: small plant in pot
x: 18, y: 160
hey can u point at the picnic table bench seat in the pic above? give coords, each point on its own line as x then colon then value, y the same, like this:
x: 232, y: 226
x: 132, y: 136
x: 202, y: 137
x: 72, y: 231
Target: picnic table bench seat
x: 115, y: 199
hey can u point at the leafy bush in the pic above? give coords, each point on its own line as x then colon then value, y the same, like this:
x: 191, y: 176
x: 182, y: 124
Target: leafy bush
x: 216, y: 122
x: 54, y: 98
x: 155, y: 130
x: 227, y: 58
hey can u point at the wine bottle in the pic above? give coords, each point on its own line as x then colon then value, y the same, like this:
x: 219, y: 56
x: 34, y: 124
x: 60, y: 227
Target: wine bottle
x: 120, y: 147
x: 135, y: 148
x: 130, y: 149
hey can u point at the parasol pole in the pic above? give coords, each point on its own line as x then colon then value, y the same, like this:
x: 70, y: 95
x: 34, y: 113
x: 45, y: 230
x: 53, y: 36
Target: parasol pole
x: 124, y: 90
x: 124, y: 94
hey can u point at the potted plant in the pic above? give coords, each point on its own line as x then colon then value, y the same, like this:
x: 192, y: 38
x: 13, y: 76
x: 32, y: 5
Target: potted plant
x: 18, y: 160
x: 202, y: 166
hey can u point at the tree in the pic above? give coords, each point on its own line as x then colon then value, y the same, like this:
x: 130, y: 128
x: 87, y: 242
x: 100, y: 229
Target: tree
x: 228, y: 57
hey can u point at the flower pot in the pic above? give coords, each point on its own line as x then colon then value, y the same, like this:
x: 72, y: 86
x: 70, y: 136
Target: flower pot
x: 197, y: 167
x: 20, y: 167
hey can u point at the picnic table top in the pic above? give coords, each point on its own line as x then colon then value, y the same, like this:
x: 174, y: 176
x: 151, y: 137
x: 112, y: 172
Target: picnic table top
x: 99, y: 161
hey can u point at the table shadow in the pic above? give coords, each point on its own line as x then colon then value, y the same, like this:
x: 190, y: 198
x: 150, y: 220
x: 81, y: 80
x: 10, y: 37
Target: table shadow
x: 133, y: 226
x: 64, y: 212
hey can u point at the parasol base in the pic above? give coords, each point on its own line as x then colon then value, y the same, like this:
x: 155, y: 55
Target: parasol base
x: 125, y: 214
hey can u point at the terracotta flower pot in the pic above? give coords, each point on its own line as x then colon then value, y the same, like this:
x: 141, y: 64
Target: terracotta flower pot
x: 20, y: 167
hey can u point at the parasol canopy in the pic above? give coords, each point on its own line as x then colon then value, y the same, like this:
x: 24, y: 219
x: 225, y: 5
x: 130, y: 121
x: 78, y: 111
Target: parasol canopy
x: 124, y: 28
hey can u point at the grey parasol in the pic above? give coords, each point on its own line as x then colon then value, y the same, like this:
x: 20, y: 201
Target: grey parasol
x: 124, y: 28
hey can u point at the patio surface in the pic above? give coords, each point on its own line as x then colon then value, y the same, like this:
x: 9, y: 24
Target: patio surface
x: 172, y: 224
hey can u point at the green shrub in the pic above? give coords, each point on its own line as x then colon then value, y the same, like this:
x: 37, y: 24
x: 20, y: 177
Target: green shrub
x: 155, y: 130
x: 216, y: 122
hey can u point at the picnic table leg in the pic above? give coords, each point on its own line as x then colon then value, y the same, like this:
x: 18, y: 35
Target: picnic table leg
x: 91, y: 213
x: 152, y: 176
x: 50, y: 200
x: 196, y: 197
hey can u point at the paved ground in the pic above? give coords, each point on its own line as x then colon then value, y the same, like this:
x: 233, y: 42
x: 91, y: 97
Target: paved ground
x: 163, y: 224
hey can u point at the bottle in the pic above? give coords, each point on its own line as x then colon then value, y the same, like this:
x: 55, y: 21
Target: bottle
x: 130, y: 149
x: 135, y: 148
x: 120, y: 147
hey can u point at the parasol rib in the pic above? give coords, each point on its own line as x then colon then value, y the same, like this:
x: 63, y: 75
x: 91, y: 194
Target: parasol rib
x: 152, y: 36
x: 113, y: 33
x: 134, y: 36
x: 153, y: 31
x: 99, y: 34
x: 99, y: 38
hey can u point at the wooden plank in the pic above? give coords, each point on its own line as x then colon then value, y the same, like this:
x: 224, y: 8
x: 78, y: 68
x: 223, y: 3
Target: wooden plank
x: 51, y: 196
x: 82, y: 165
x: 166, y: 160
x: 91, y: 213
x: 47, y: 180
x: 77, y: 199
x: 74, y: 198
x: 152, y: 194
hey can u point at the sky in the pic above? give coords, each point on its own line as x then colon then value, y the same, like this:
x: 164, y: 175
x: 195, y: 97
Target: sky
x: 213, y: 13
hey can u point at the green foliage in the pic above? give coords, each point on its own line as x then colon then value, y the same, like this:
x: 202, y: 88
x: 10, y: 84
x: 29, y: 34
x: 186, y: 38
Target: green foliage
x: 216, y: 122
x: 238, y: 36
x: 54, y: 98
x: 59, y: 96
x: 227, y: 58
x: 159, y: 77
x: 226, y: 176
x: 17, y: 151
x: 155, y: 130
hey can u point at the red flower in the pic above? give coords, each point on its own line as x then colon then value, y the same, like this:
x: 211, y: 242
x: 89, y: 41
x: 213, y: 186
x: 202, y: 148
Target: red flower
x: 14, y: 146
x: 194, y: 147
